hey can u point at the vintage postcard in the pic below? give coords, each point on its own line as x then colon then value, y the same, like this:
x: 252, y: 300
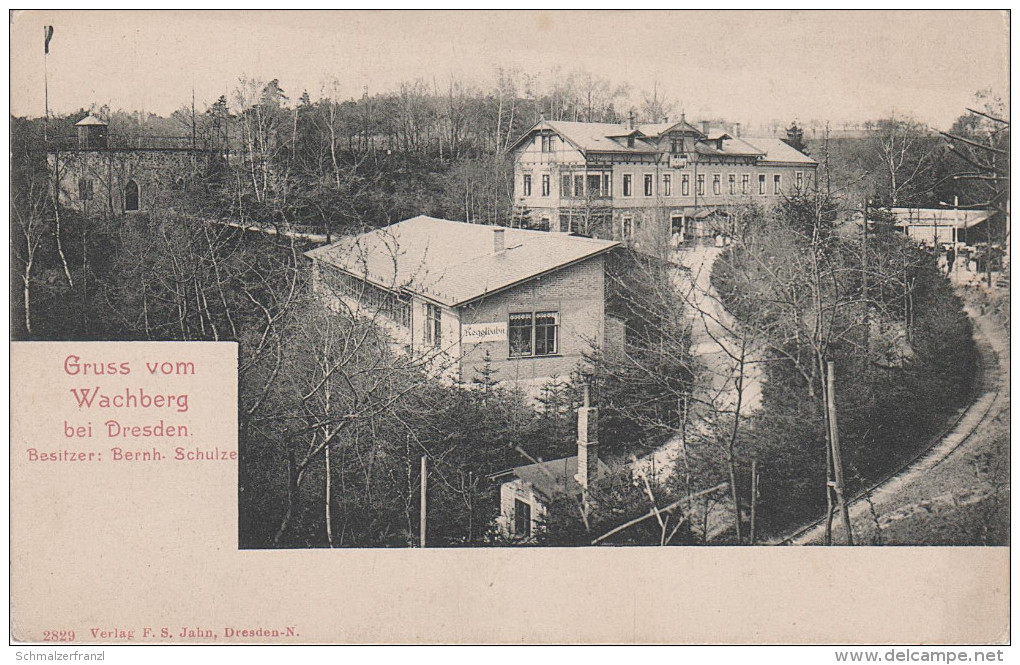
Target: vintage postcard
x: 510, y: 327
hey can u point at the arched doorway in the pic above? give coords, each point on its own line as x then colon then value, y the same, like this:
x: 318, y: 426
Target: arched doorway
x: 131, y: 196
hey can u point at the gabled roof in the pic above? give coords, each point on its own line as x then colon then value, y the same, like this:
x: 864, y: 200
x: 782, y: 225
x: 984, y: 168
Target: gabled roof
x: 90, y: 121
x: 660, y: 128
x: 453, y: 263
x: 555, y: 477
x: 591, y: 136
x: 609, y: 137
x: 596, y: 136
x: 625, y: 132
x: 777, y: 150
x: 740, y: 146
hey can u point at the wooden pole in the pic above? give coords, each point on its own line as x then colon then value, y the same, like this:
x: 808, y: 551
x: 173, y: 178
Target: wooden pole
x: 864, y: 281
x: 424, y: 486
x: 329, y: 500
x: 754, y: 496
x: 837, y: 461
x: 829, y: 483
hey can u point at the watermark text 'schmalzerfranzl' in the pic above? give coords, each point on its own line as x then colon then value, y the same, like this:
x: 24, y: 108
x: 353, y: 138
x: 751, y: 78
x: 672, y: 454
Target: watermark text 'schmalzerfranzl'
x: 60, y: 655
x: 920, y: 656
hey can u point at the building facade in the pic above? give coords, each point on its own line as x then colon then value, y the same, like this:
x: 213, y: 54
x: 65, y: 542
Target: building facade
x: 650, y: 184
x: 527, y: 305
x: 98, y: 175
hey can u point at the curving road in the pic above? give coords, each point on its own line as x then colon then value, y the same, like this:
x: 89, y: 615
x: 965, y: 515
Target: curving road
x: 944, y: 494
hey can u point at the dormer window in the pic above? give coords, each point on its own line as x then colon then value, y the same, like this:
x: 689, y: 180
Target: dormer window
x: 546, y: 142
x: 630, y: 141
x: 676, y: 145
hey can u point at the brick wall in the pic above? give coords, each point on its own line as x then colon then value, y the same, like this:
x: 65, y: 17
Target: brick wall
x: 577, y: 293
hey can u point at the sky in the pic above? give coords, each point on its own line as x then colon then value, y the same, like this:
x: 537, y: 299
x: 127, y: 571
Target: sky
x: 744, y: 66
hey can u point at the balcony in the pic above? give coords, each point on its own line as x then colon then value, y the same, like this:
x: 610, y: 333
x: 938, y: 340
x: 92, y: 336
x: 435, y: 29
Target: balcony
x: 593, y: 198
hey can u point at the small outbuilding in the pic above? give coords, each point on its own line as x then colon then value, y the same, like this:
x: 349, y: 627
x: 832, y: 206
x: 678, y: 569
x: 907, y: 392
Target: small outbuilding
x: 525, y: 500
x: 939, y: 226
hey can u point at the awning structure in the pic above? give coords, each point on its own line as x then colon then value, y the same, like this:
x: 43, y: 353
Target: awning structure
x: 944, y: 217
x: 705, y: 213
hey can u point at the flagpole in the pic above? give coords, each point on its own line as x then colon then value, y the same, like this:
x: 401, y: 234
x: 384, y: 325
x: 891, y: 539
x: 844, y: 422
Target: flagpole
x: 46, y: 81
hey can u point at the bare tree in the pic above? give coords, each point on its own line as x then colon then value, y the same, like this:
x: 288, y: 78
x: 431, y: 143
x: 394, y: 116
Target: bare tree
x: 906, y: 152
x: 28, y: 214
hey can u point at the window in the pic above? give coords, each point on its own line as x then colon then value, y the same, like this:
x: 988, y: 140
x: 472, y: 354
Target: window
x: 547, y: 143
x: 648, y: 184
x: 85, y: 190
x: 565, y: 185
x: 676, y: 145
x: 777, y: 186
x: 733, y: 184
x: 701, y: 185
x: 628, y: 186
x: 595, y: 184
x: 546, y: 327
x: 628, y: 228
x: 745, y: 183
x: 607, y: 184
x: 433, y: 325
x: 630, y: 141
x: 685, y: 185
x: 578, y: 186
x: 545, y: 185
x: 717, y: 184
x: 527, y: 185
x: 391, y: 305
x: 520, y: 331
x: 543, y: 223
x: 800, y: 180
x: 522, y: 519
x: 761, y: 184
x: 534, y: 334
x: 667, y: 184
x: 131, y: 195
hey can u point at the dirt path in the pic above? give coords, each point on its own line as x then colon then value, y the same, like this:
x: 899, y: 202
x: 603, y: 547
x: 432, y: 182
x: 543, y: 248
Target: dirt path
x: 713, y: 347
x: 957, y: 492
x: 712, y: 343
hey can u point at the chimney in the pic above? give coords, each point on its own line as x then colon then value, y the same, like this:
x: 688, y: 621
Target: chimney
x: 665, y: 119
x: 704, y: 126
x: 587, y: 442
x: 736, y: 129
x: 498, y: 241
x: 630, y: 120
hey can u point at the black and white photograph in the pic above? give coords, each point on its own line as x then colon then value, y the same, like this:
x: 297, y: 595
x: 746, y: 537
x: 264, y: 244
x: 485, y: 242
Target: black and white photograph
x: 528, y: 279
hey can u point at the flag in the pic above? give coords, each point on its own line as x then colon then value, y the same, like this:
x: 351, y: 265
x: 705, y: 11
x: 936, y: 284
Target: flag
x: 48, y: 35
